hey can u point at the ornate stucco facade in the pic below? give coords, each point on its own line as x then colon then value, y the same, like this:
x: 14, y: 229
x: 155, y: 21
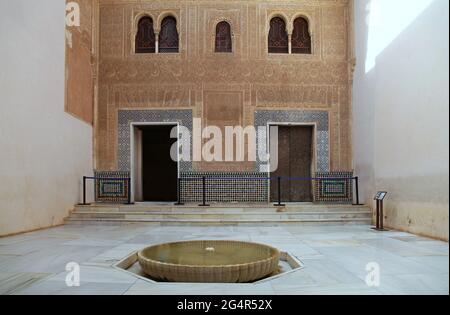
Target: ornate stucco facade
x: 220, y: 88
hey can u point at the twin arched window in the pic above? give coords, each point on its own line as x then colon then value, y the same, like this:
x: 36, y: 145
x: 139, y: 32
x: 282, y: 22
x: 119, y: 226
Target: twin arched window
x: 279, y: 39
x: 168, y: 40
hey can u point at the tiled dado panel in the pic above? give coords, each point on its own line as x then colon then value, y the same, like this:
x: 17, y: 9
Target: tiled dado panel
x: 244, y: 187
x: 332, y: 189
x: 319, y: 118
x: 111, y: 187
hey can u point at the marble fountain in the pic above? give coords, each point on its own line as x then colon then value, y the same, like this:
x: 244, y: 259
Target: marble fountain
x: 209, y: 262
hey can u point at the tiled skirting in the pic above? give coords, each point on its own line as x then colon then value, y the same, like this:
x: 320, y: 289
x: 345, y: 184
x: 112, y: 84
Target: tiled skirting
x: 225, y: 187
x: 334, y: 190
x: 236, y: 187
x: 110, y: 187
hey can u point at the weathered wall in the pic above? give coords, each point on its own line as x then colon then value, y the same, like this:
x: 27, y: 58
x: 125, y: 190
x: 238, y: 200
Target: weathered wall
x: 237, y: 84
x: 80, y: 64
x: 401, y: 108
x: 44, y: 151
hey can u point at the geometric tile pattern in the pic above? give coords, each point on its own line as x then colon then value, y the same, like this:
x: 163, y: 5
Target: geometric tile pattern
x: 242, y: 187
x: 250, y: 187
x: 127, y: 117
x: 319, y: 118
x: 111, y: 187
x: 335, y: 187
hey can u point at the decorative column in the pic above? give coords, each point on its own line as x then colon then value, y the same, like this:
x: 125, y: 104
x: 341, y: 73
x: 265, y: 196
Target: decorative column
x: 290, y: 43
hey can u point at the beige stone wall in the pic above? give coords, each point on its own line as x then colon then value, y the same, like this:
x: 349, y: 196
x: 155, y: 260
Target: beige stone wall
x: 44, y: 151
x: 248, y: 79
x: 401, y: 110
x: 80, y: 64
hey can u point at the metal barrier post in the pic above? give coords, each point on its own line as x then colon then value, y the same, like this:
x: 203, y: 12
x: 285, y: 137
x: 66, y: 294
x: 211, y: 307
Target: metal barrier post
x: 129, y: 191
x: 357, y: 191
x: 279, y: 204
x: 179, y: 203
x: 84, y: 192
x: 204, y: 193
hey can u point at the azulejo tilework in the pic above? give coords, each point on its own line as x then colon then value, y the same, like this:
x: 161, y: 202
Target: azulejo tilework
x: 246, y: 187
x: 129, y: 117
x: 111, y: 187
x: 319, y: 118
x: 229, y: 186
x: 330, y: 188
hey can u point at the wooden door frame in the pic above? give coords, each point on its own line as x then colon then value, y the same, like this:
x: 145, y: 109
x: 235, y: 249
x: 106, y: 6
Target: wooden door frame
x: 133, y: 126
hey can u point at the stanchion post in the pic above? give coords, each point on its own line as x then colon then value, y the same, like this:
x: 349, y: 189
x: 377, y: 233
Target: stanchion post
x: 179, y: 203
x: 84, y: 192
x: 279, y: 204
x: 357, y: 191
x: 204, y: 192
x: 129, y: 191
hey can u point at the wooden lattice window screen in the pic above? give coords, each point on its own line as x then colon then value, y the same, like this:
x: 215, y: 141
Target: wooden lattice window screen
x: 223, y: 38
x: 278, y: 37
x: 168, y: 37
x: 145, y: 37
x: 301, y: 38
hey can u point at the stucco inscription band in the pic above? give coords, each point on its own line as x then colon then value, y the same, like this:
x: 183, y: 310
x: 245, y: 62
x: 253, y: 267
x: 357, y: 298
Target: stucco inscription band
x: 209, y: 261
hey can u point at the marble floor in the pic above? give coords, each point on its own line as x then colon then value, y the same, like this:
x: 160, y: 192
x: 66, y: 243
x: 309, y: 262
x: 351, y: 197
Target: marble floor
x: 335, y: 259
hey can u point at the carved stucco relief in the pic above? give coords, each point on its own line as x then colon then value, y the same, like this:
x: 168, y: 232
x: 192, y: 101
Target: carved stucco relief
x: 320, y: 81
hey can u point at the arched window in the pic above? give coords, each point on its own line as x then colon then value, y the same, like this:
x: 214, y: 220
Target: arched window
x: 168, y: 37
x: 278, y: 36
x: 145, y: 37
x: 223, y: 38
x: 301, y: 39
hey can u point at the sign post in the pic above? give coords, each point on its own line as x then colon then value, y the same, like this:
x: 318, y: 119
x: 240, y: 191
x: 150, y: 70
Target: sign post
x: 379, y: 198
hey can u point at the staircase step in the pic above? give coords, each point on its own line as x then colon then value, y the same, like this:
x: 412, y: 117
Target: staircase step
x: 218, y: 209
x: 215, y: 222
x: 229, y: 214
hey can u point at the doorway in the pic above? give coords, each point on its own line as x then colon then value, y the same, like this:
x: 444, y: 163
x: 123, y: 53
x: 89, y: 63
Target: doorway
x: 295, y: 160
x: 155, y: 171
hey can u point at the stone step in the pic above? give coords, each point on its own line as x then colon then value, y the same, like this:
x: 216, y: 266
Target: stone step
x: 232, y: 215
x: 220, y: 214
x: 216, y: 222
x: 217, y: 208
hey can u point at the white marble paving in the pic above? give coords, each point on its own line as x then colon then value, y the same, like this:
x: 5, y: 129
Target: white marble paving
x: 334, y: 257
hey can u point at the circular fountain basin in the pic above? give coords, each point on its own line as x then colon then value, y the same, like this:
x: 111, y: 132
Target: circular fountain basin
x: 209, y: 261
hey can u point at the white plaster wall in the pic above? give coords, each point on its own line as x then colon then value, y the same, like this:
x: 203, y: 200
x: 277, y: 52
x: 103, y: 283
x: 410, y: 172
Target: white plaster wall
x: 401, y: 112
x: 43, y: 151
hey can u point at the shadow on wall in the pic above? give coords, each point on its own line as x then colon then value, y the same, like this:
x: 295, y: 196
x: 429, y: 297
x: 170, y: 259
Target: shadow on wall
x: 401, y: 110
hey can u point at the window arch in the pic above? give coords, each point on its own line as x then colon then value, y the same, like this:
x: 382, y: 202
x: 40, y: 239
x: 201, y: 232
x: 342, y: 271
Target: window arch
x: 145, y: 36
x: 278, y: 36
x: 168, y: 37
x: 301, y: 39
x: 223, y: 38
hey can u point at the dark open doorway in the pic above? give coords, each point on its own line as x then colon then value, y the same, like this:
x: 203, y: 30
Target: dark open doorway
x: 159, y: 170
x: 295, y: 158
